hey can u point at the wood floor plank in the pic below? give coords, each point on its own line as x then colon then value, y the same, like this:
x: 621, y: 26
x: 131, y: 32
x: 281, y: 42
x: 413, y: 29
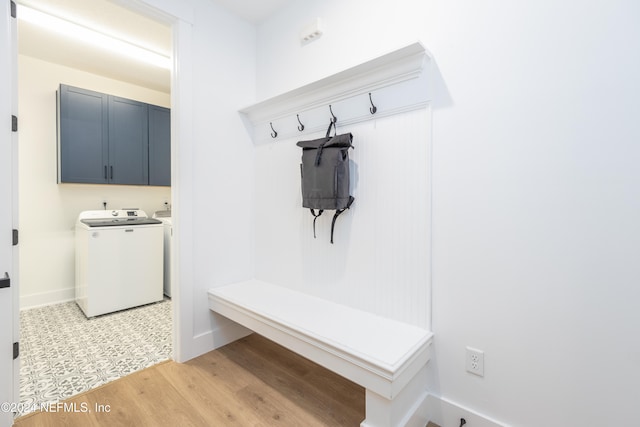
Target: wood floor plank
x: 211, y: 388
x: 264, y: 384
x: 251, y: 382
x: 162, y: 401
x: 115, y: 401
x: 324, y: 395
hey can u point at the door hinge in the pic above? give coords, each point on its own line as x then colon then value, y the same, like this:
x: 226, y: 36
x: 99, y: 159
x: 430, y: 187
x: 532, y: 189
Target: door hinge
x: 16, y: 350
x: 13, y: 9
x: 5, y: 282
x: 15, y: 237
x: 14, y: 124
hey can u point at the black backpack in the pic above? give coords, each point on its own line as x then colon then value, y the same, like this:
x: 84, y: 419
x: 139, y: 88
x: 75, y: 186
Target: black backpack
x: 325, y: 175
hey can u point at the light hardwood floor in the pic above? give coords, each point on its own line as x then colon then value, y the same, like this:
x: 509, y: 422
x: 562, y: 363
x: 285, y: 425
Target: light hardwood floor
x: 251, y: 382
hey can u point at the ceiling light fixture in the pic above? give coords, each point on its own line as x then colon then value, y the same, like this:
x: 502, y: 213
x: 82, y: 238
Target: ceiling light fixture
x: 92, y: 37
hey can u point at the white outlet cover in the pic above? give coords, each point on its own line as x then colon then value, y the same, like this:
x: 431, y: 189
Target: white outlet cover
x: 475, y: 361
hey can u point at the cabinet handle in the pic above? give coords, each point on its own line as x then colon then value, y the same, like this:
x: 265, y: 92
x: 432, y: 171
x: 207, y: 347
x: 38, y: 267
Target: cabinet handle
x: 105, y: 172
x: 111, y: 167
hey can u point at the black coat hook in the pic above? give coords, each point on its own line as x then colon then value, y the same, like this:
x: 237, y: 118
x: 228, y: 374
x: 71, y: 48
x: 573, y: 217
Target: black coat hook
x: 301, y: 127
x: 274, y: 134
x: 373, y: 108
x: 334, y: 119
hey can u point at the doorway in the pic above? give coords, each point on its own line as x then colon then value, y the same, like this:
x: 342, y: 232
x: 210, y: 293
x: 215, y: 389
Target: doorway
x: 46, y: 246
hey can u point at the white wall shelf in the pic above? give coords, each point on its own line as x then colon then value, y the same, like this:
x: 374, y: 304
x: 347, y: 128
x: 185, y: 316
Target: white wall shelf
x: 393, y: 68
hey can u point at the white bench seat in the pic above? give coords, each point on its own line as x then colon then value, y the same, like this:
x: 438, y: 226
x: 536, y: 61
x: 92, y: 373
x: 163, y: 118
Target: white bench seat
x: 384, y: 356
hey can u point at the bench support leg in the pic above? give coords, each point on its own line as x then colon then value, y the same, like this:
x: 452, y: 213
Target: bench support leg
x: 407, y: 409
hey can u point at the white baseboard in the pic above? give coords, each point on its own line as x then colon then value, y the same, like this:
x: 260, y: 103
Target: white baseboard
x: 226, y: 332
x: 446, y: 413
x: 47, y: 298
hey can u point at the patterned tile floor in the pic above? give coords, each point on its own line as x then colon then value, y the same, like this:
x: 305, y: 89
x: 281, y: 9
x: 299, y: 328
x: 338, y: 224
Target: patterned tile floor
x: 63, y: 353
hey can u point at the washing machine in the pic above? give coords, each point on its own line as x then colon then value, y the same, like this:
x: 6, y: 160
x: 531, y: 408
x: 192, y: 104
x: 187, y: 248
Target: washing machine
x: 165, y: 217
x: 119, y: 260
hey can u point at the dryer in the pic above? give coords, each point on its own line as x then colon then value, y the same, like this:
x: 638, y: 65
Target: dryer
x: 119, y: 260
x: 165, y: 217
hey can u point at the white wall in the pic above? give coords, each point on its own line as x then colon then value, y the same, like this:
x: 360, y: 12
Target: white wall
x: 48, y: 210
x: 360, y: 31
x: 379, y: 259
x: 224, y: 82
x: 536, y: 208
x: 535, y: 205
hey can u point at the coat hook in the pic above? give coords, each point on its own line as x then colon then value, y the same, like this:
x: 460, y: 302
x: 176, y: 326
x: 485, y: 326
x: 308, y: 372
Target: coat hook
x: 274, y: 134
x: 373, y: 108
x: 301, y: 127
x: 334, y: 119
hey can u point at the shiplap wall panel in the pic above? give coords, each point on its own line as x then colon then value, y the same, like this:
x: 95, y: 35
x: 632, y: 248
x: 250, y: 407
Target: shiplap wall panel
x: 380, y: 261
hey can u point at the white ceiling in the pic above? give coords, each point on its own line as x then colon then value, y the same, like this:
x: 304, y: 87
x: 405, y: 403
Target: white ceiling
x: 110, y: 18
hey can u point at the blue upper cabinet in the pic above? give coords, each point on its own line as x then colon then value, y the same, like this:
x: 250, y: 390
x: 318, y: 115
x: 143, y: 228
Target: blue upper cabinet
x: 83, y: 135
x: 159, y: 146
x: 128, y: 141
x: 105, y: 139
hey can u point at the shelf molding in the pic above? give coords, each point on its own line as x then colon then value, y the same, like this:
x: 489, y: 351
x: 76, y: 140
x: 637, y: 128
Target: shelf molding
x: 389, y: 69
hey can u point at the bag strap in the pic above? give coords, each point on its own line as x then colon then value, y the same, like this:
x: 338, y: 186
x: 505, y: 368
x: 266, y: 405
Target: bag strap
x: 313, y: 212
x: 321, y: 146
x: 335, y: 216
x: 335, y: 129
x: 318, y: 155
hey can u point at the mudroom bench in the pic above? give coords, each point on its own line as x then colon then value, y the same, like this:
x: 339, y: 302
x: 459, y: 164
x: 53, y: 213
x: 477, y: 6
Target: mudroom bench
x: 386, y: 357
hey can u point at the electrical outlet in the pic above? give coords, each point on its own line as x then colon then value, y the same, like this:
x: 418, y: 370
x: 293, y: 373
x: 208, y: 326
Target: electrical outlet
x: 475, y: 361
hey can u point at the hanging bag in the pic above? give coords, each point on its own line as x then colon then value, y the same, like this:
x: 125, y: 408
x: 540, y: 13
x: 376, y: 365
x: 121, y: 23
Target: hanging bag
x: 325, y: 175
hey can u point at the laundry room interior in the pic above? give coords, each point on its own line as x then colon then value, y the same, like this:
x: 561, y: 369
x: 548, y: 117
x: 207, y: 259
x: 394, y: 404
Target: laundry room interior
x: 50, y: 244
x: 486, y: 270
x: 48, y: 63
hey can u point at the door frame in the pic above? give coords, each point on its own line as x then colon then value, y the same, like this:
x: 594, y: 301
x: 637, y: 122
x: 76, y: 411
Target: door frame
x: 10, y: 329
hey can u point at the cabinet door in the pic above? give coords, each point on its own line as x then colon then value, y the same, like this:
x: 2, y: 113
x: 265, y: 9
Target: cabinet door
x: 83, y: 135
x: 159, y: 145
x: 128, y: 141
